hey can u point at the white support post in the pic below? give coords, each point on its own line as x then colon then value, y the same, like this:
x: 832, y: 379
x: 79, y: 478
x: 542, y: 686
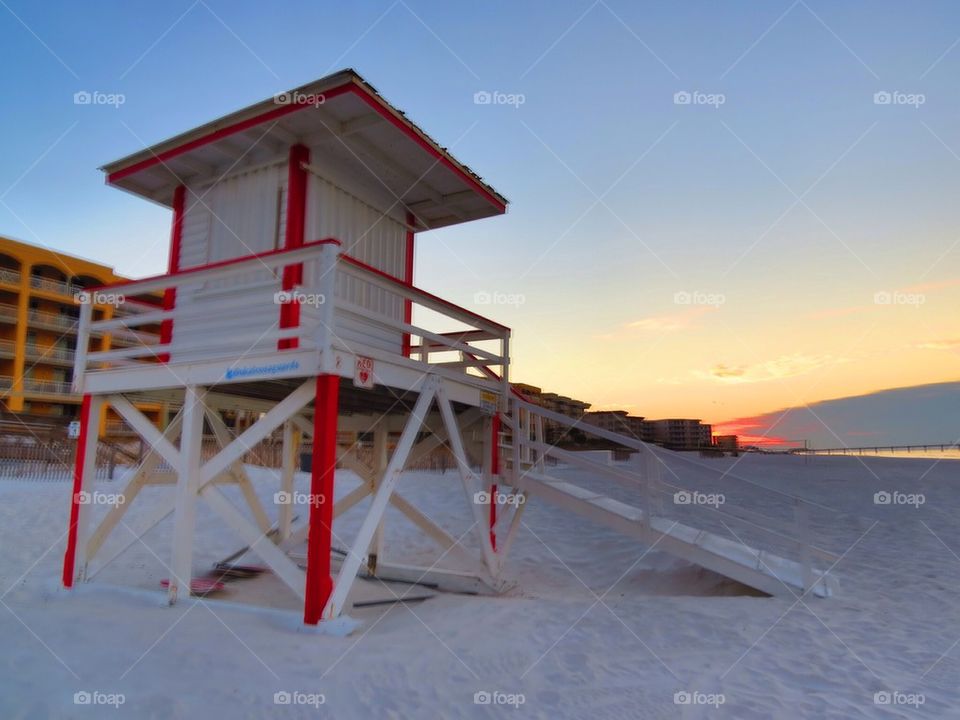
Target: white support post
x: 188, y: 482
x: 290, y: 452
x: 88, y: 473
x: 802, y: 516
x: 348, y: 571
x: 83, y: 342
x: 504, y: 549
x: 538, y: 437
x: 380, y: 436
x: 469, y: 480
x: 329, y: 259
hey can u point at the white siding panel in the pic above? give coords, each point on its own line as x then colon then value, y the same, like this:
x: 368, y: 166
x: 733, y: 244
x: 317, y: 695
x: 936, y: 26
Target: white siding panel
x: 369, y: 236
x: 238, y: 216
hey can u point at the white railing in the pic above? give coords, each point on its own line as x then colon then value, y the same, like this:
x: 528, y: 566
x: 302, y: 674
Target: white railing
x: 49, y: 354
x: 49, y: 387
x: 49, y: 319
x: 477, y: 347
x: 655, y: 485
x: 50, y: 285
x: 31, y: 385
x: 232, y: 309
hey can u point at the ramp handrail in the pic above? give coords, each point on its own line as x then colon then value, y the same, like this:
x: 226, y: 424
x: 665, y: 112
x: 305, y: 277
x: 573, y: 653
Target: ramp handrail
x: 527, y: 454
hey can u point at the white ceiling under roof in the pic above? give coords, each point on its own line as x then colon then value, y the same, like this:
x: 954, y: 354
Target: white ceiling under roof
x: 357, y: 140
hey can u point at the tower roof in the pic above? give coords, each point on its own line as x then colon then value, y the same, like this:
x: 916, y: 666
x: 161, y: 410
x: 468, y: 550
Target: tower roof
x: 367, y: 146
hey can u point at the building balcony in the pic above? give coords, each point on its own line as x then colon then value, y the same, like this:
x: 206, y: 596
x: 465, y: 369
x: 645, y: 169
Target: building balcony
x: 47, y: 387
x: 52, y: 320
x: 52, y: 286
x: 51, y: 355
x: 8, y: 313
x: 9, y: 277
x: 33, y: 386
x: 8, y: 348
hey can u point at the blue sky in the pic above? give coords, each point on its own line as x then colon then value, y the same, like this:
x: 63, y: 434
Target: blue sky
x: 693, y: 198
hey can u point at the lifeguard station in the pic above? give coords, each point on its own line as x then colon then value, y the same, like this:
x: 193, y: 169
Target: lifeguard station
x: 289, y: 294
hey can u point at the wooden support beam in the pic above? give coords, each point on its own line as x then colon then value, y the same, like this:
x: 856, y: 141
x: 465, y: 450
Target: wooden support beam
x: 348, y: 571
x: 280, y: 412
x: 141, y: 478
x: 238, y: 472
x: 144, y: 428
x: 471, y: 486
x: 188, y: 481
x: 258, y: 541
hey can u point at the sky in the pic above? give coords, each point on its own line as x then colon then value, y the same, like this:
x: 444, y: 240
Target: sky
x: 717, y: 209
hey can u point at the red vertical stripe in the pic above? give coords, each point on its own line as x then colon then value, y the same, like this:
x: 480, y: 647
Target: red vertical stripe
x: 69, y: 558
x: 296, y: 224
x: 408, y: 279
x: 320, y: 537
x: 173, y: 265
x: 493, y: 516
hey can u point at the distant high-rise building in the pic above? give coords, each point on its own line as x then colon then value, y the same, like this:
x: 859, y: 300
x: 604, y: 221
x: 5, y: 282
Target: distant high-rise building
x: 678, y: 433
x: 618, y: 421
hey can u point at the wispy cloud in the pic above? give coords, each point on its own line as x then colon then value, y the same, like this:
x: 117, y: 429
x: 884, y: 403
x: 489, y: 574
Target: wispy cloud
x: 840, y: 312
x: 669, y: 323
x: 953, y: 344
x: 779, y: 368
x: 930, y: 286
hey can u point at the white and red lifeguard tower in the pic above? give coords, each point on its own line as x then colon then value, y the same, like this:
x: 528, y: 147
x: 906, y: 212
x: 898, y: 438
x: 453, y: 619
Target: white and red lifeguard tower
x: 289, y: 293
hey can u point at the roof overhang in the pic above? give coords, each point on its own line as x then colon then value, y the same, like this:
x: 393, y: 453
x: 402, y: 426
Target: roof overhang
x: 368, y: 147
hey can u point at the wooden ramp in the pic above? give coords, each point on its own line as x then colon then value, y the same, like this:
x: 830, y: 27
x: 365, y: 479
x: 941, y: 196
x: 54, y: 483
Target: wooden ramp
x: 658, y: 518
x: 758, y: 569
